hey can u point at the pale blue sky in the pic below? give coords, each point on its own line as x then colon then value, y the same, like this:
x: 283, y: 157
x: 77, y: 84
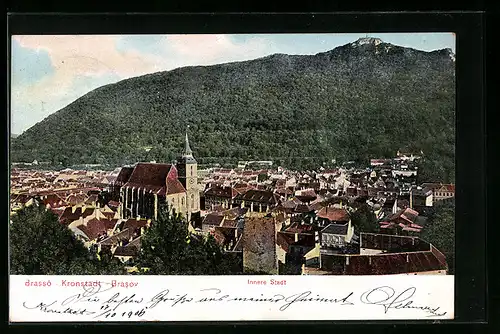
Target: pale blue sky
x: 49, y: 72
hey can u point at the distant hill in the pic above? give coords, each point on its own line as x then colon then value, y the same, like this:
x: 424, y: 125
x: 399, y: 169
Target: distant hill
x: 364, y: 99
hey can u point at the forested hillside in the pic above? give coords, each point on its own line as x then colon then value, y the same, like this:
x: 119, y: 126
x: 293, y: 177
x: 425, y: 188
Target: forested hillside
x: 358, y: 101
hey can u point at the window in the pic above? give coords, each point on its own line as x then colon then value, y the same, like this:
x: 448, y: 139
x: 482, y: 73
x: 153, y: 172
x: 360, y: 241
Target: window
x: 182, y: 201
x: 191, y: 170
x: 192, y: 201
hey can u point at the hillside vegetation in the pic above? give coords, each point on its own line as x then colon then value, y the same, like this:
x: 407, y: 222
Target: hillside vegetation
x: 355, y: 102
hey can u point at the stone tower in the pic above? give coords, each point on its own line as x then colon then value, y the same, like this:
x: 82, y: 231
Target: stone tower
x: 187, y: 168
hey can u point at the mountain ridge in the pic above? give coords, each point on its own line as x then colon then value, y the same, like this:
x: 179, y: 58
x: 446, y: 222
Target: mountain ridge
x: 342, y: 103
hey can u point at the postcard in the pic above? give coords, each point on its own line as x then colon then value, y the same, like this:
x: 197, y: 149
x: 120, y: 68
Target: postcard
x: 232, y: 177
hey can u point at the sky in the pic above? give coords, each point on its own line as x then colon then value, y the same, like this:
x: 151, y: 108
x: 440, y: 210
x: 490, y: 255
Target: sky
x: 48, y: 72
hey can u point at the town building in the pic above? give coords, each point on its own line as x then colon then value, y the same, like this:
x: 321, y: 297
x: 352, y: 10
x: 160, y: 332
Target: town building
x: 151, y: 184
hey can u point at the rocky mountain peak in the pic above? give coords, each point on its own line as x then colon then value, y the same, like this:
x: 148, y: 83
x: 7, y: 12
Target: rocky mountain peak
x: 367, y: 40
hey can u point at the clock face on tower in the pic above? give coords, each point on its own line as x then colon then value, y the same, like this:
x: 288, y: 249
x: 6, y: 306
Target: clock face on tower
x: 191, y: 181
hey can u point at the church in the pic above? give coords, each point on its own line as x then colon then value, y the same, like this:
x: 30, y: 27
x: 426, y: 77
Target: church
x: 147, y: 185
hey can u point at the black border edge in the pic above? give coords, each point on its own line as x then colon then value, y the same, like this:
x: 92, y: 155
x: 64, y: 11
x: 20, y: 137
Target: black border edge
x: 470, y: 242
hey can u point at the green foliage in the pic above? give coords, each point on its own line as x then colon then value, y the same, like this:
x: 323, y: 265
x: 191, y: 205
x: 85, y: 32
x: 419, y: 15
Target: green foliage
x: 345, y: 104
x: 262, y: 177
x: 364, y: 220
x: 40, y: 245
x: 168, y: 248
x: 440, y: 231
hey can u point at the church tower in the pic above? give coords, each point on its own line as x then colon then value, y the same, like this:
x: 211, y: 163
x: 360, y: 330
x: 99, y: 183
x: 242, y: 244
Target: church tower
x: 187, y: 168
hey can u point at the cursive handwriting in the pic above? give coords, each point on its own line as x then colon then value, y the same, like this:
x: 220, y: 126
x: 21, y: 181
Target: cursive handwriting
x: 47, y: 308
x: 105, y: 301
x: 89, y: 294
x: 163, y: 297
x: 387, y: 297
x: 304, y: 297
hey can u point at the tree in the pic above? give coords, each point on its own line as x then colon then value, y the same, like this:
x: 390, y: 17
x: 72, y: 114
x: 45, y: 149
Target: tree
x: 440, y: 232
x: 40, y: 245
x: 168, y: 248
x: 364, y: 220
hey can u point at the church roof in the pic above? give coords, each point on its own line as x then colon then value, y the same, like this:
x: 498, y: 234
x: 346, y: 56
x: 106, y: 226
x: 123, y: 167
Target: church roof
x: 174, y: 187
x: 149, y: 174
x: 124, y: 174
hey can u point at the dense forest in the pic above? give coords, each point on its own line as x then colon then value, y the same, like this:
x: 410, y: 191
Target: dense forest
x: 355, y: 102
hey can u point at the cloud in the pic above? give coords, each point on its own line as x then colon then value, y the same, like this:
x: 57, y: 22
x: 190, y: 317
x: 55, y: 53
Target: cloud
x: 28, y: 65
x: 51, y: 71
x: 78, y: 64
x: 174, y: 51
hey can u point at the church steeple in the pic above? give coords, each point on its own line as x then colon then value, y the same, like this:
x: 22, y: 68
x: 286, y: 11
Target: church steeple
x: 187, y: 151
x: 187, y: 156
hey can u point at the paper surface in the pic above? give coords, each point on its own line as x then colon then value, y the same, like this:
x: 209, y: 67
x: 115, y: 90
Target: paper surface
x: 230, y: 298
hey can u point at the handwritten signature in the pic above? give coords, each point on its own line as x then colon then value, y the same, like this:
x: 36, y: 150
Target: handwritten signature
x: 103, y: 301
x: 387, y: 297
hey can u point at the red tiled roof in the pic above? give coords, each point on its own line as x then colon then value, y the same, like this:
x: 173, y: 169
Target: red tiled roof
x: 88, y: 212
x: 174, y: 187
x: 407, y: 215
x: 300, y: 228
x: 92, y: 198
x: 126, y: 251
x: 303, y: 208
x: 219, y: 236
x: 225, y: 192
x: 54, y: 200
x: 113, y: 204
x: 69, y: 216
x: 149, y: 174
x: 284, y: 240
x: 333, y: 214
x: 250, y: 173
x: 213, y: 219
x: 125, y: 234
x: 110, y: 223
x: 108, y: 214
x: 74, y: 199
x: 234, y: 213
x: 284, y: 191
x: 134, y: 224
x: 260, y: 196
x: 95, y: 228
x: 124, y: 175
x: 229, y: 223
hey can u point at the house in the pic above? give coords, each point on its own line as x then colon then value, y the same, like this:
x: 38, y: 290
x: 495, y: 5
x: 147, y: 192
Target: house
x: 219, y: 195
x: 379, y: 162
x: 291, y: 249
x: 384, y: 255
x: 420, y: 197
x: 401, y: 222
x: 257, y: 200
x: 306, y: 195
x: 127, y: 253
x: 336, y: 236
x: 212, y: 220
x: 94, y: 230
x: 328, y: 215
x: 125, y: 233
x: 440, y: 191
